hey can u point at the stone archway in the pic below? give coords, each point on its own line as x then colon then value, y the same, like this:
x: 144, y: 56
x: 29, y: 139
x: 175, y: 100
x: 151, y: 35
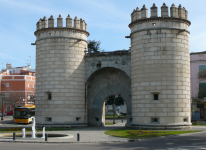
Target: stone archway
x: 102, y: 84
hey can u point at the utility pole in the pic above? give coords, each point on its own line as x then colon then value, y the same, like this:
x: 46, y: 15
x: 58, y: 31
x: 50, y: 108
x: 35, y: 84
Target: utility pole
x: 2, y: 105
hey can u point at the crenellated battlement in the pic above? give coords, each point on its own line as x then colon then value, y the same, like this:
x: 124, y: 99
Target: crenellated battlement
x: 176, y: 13
x: 70, y: 23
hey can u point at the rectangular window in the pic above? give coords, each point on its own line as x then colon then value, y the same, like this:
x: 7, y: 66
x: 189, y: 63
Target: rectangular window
x: 185, y: 119
x: 49, y: 96
x: 29, y: 97
x: 155, y: 120
x: 7, y: 84
x: 48, y: 118
x: 202, y: 70
x: 155, y: 96
x: 78, y: 118
x: 200, y: 105
x: 202, y: 90
x: 8, y: 108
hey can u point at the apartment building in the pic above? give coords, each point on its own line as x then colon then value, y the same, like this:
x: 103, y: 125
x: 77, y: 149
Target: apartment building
x: 18, y: 84
x: 198, y: 84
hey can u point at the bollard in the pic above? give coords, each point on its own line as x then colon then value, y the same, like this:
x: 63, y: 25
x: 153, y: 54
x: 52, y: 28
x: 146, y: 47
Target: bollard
x: 78, y: 137
x: 122, y: 121
x: 46, y: 136
x: 14, y: 136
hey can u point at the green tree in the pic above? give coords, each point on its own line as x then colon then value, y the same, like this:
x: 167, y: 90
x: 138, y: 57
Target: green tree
x: 94, y: 46
x: 115, y: 101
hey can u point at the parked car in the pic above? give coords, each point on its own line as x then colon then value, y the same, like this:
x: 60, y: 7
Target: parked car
x: 3, y: 114
x: 9, y: 113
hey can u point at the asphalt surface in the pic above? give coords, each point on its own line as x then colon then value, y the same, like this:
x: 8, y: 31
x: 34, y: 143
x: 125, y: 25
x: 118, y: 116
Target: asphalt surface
x: 194, y: 141
x: 191, y: 141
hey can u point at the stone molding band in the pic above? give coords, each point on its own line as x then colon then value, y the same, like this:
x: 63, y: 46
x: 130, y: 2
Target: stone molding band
x: 162, y: 125
x: 80, y: 123
x: 60, y: 29
x: 53, y: 37
x: 159, y: 19
x: 159, y: 28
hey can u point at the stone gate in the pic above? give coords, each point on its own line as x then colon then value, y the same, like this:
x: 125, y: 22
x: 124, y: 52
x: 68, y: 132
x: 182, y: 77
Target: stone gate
x: 107, y: 73
x: 154, y: 79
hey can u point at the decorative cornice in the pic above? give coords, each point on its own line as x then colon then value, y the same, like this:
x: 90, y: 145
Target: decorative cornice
x: 61, y: 29
x: 159, y: 19
x: 80, y: 39
x: 159, y: 28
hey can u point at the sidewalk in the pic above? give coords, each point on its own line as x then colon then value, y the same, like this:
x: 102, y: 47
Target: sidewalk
x: 87, y: 135
x: 7, y: 120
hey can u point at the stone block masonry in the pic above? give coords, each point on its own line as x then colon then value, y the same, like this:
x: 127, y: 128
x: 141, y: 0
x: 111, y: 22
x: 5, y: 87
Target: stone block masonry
x: 153, y: 77
x: 60, y: 94
x: 160, y: 68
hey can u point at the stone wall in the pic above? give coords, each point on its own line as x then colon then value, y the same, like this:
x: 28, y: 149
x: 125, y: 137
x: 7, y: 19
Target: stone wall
x: 60, y: 69
x: 113, y: 78
x: 160, y: 66
x: 116, y: 59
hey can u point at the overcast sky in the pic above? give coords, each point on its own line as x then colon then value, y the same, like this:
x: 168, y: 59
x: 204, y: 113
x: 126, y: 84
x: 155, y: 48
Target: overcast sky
x: 107, y: 21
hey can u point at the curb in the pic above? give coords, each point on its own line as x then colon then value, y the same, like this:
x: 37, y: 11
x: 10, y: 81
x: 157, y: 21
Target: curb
x: 118, y: 141
x: 72, y: 142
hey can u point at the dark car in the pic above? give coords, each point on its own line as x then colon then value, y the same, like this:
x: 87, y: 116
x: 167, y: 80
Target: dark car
x: 9, y: 113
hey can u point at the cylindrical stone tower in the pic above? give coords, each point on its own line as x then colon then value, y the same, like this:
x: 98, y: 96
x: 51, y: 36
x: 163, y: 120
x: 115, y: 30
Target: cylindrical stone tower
x: 160, y: 69
x: 60, y: 70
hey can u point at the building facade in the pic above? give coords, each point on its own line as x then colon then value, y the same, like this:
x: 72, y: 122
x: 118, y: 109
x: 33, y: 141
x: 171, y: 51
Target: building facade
x: 18, y: 86
x: 198, y: 84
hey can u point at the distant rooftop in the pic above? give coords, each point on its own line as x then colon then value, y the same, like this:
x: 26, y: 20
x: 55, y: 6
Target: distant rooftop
x: 194, y: 53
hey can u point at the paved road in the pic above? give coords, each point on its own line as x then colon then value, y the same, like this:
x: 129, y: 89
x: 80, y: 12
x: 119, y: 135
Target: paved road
x: 196, y: 141
x: 8, y: 123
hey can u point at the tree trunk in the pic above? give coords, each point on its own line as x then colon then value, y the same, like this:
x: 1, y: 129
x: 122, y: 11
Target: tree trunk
x: 114, y: 114
x: 14, y: 108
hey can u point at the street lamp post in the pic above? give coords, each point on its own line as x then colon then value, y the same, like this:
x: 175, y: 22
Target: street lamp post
x: 2, y: 109
x: 2, y: 113
x: 114, y: 110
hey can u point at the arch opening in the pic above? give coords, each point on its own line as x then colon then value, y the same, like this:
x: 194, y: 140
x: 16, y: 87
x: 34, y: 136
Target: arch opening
x: 114, y: 110
x: 104, y: 83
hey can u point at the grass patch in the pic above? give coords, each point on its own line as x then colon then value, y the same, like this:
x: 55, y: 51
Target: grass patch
x: 136, y: 134
x: 8, y: 130
x: 198, y: 124
x: 109, y: 123
x: 116, y: 116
